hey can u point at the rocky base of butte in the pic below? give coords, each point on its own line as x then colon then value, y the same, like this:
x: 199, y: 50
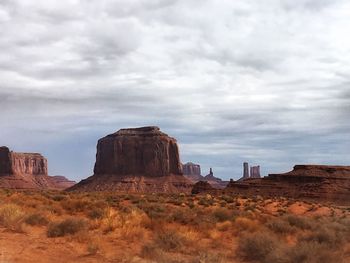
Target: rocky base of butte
x: 137, y: 160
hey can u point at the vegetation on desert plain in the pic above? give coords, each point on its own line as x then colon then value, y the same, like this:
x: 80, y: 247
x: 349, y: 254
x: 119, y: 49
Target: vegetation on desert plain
x: 112, y: 227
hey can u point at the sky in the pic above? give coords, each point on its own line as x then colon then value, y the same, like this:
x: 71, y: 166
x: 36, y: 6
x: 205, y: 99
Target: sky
x: 266, y: 82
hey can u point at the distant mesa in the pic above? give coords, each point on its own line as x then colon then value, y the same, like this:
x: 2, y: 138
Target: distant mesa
x: 192, y: 172
x: 321, y: 182
x: 137, y: 160
x: 27, y: 171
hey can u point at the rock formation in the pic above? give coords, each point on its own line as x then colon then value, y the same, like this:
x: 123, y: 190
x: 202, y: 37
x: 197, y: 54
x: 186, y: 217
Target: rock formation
x: 319, y: 182
x: 61, y: 182
x: 137, y: 160
x: 27, y: 171
x: 255, y: 172
x: 202, y: 187
x: 245, y: 170
x: 140, y: 151
x: 192, y: 171
x: 22, y: 163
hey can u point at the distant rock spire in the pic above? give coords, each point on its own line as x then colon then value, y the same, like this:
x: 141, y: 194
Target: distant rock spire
x: 245, y: 170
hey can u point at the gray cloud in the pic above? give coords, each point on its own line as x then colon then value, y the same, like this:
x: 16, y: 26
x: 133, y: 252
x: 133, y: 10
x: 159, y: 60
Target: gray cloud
x: 265, y: 81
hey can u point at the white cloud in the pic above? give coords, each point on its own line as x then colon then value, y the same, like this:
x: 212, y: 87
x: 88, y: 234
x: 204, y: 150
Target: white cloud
x: 231, y: 80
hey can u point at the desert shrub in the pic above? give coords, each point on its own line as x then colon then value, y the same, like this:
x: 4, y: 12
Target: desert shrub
x: 112, y: 200
x: 96, y: 213
x: 58, y: 197
x: 36, y: 219
x: 151, y: 251
x: 298, y: 221
x: 312, y: 252
x: 190, y: 204
x: 169, y: 240
x: 68, y: 226
x: 258, y: 246
x: 93, y: 248
x: 331, y: 234
x: 206, y: 201
x: 75, y: 205
x: 153, y: 211
x: 227, y: 199
x: 246, y: 224
x: 280, y: 226
x: 223, y: 226
x: 207, y: 257
x: 11, y: 216
x: 183, y: 216
x: 221, y: 215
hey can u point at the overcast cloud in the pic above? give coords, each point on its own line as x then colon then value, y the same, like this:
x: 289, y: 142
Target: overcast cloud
x: 266, y: 82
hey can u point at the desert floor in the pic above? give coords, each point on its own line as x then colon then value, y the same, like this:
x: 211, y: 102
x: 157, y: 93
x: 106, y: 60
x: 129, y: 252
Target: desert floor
x: 109, y: 227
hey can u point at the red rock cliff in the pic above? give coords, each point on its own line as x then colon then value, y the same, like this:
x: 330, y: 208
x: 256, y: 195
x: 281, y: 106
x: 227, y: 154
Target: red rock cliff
x: 22, y: 163
x: 142, y: 151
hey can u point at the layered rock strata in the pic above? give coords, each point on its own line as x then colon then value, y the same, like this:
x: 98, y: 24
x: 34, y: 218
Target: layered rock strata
x: 319, y: 182
x: 27, y: 171
x: 137, y: 160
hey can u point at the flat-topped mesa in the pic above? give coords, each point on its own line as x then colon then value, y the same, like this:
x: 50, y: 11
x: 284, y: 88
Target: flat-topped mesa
x: 27, y: 171
x: 191, y: 169
x: 316, y: 182
x: 144, y: 151
x: 12, y: 163
x: 309, y: 170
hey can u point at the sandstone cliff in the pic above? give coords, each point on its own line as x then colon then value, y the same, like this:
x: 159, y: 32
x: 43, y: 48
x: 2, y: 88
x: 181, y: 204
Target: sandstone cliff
x: 140, y: 151
x: 137, y: 160
x: 27, y: 171
x: 321, y: 182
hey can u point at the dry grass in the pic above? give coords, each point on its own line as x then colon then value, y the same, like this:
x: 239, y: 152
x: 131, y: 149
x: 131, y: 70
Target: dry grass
x: 110, y: 227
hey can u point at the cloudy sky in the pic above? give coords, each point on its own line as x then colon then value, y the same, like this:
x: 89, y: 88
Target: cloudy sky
x: 266, y: 82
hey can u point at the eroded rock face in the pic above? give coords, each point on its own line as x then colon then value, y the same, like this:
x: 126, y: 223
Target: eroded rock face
x: 5, y: 161
x: 22, y: 163
x: 202, y: 187
x: 137, y: 160
x: 142, y: 151
x: 319, y: 182
x: 27, y: 171
x: 191, y: 169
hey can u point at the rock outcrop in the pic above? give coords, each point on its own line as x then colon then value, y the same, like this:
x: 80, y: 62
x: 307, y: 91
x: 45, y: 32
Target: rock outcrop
x: 253, y: 172
x: 319, y: 182
x: 22, y: 163
x: 140, y: 151
x: 61, y: 182
x: 137, y: 160
x: 202, y: 187
x: 26, y: 171
x: 192, y: 172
